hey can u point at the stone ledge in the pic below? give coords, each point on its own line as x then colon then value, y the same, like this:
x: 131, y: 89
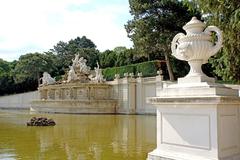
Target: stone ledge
x: 201, y: 91
x: 194, y: 100
x: 75, y: 106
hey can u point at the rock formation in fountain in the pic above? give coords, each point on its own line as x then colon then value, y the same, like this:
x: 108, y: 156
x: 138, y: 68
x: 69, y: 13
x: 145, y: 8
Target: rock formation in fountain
x: 41, y: 121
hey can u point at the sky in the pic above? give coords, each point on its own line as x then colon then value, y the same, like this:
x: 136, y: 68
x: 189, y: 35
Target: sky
x: 28, y: 26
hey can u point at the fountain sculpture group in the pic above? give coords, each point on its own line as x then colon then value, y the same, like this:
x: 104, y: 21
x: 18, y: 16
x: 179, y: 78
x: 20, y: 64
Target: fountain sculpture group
x: 197, y: 119
x: 80, y: 93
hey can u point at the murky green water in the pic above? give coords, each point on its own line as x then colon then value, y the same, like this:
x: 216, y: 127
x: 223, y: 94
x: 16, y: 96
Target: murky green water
x: 77, y: 137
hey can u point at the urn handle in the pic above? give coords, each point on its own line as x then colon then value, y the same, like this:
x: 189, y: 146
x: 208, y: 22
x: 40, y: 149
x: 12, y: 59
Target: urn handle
x: 218, y: 44
x: 175, y: 43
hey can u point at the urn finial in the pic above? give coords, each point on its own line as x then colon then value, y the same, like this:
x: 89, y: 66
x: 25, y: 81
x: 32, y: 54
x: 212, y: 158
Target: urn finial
x: 194, y: 26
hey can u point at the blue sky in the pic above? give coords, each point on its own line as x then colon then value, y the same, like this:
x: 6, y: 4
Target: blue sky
x: 37, y: 25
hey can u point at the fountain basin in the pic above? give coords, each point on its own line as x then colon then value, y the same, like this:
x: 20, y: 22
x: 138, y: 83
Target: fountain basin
x: 75, y: 98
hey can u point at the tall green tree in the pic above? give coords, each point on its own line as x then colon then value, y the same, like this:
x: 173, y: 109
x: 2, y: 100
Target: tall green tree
x: 107, y: 58
x: 91, y: 55
x: 32, y: 65
x: 125, y: 57
x: 7, y: 83
x: 154, y: 25
x: 224, y: 14
x: 5, y: 78
x: 66, y: 51
x: 4, y: 66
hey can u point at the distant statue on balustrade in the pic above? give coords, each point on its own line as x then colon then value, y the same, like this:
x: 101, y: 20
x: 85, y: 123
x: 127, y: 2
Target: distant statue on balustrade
x: 99, y: 76
x: 47, y: 79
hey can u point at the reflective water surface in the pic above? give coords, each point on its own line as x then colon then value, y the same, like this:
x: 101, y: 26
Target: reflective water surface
x: 77, y: 137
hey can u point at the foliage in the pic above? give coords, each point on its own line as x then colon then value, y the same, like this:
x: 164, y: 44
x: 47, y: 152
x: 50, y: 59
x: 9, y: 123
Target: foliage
x: 31, y: 65
x: 4, y: 66
x: 126, y: 57
x: 120, y: 56
x: 109, y: 73
x: 7, y: 83
x: 226, y: 16
x: 154, y: 25
x: 67, y: 50
x: 180, y: 68
x: 107, y: 59
x: 91, y: 54
x: 5, y: 79
x: 146, y: 68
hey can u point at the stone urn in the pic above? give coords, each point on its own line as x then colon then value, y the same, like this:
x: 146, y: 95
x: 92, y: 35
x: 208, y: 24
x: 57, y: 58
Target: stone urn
x: 196, y: 47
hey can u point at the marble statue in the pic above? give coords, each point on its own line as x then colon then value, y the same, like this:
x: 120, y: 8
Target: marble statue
x: 75, y: 61
x: 71, y: 74
x: 98, y: 77
x: 47, y: 79
x: 83, y: 66
x: 117, y: 76
x: 79, y: 71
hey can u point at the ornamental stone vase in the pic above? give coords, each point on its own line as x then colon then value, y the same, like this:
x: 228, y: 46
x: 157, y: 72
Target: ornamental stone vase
x: 196, y: 47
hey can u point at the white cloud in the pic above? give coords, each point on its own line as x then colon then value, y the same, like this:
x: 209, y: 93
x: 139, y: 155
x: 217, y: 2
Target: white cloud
x: 29, y: 26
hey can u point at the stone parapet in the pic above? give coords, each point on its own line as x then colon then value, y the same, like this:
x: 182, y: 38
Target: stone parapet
x: 76, y: 91
x: 75, y: 106
x: 75, y: 98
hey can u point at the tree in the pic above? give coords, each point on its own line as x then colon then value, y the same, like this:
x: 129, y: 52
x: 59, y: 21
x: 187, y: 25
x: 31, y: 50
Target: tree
x: 119, y: 56
x: 30, y: 66
x: 5, y: 79
x: 107, y: 59
x: 120, y: 49
x: 4, y: 66
x: 125, y: 57
x: 66, y: 51
x: 154, y: 25
x: 226, y: 16
x: 91, y: 55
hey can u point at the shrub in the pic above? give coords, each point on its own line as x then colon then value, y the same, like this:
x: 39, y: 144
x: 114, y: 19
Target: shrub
x: 109, y: 73
x: 146, y: 68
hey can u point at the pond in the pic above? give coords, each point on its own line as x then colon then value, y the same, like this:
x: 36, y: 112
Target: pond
x: 77, y: 137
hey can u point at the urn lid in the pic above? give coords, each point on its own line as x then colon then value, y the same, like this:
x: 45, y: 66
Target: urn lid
x: 194, y: 26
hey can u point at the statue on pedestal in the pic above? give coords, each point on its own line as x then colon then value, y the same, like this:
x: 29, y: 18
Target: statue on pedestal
x: 98, y: 77
x: 47, y: 79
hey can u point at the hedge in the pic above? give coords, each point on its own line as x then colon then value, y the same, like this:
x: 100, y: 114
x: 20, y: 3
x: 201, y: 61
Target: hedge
x: 147, y: 69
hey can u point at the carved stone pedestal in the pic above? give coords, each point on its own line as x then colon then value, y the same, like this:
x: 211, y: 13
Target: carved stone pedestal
x: 197, y: 128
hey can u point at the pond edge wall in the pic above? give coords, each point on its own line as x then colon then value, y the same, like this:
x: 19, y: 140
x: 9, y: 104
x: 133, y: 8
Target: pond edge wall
x: 131, y: 94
